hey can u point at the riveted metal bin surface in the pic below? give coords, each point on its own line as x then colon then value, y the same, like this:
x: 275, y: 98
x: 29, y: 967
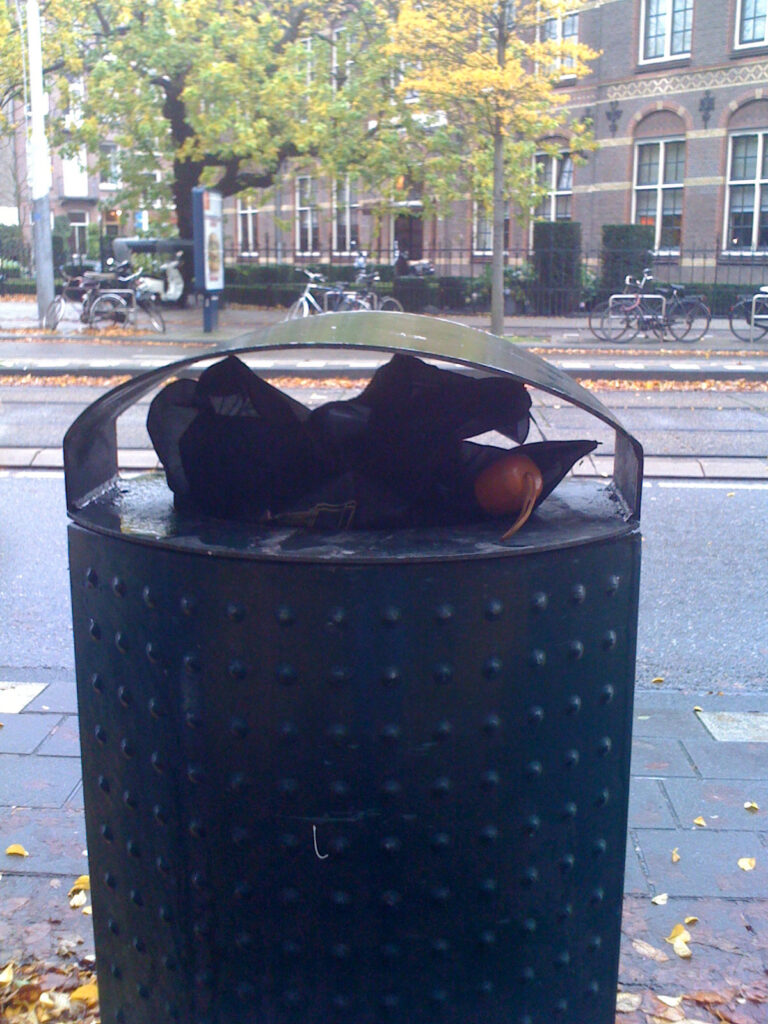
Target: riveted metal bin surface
x: 368, y: 777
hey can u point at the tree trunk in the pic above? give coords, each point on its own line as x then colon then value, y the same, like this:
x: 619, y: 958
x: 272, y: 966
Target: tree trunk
x: 497, y: 258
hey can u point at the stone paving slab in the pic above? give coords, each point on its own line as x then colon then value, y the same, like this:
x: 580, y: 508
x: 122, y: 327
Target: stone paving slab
x: 720, y: 802
x: 57, y: 696
x: 24, y: 733
x: 708, y: 864
x: 729, y: 760
x: 659, y: 758
x: 648, y: 805
x: 63, y: 741
x: 652, y: 722
x: 23, y: 784
x: 54, y: 839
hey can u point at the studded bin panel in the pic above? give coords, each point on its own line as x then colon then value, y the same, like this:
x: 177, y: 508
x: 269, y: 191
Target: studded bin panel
x: 326, y: 793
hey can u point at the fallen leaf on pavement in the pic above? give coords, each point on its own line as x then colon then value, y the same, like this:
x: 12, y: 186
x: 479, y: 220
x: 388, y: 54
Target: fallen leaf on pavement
x: 627, y: 1002
x: 6, y: 977
x: 88, y: 994
x: 747, y: 863
x: 700, y: 822
x: 648, y: 951
x: 690, y: 920
x: 16, y: 850
x: 78, y: 899
x: 750, y: 805
x: 679, y: 938
x: 658, y: 679
x: 80, y: 884
x: 670, y: 1000
x: 675, y: 856
x: 706, y: 998
x: 661, y: 899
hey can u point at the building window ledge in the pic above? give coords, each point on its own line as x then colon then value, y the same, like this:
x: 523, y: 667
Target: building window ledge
x: 749, y: 50
x: 661, y: 63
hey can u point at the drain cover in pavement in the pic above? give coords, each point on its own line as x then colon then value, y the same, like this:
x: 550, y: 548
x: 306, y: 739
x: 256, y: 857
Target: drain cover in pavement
x: 736, y: 726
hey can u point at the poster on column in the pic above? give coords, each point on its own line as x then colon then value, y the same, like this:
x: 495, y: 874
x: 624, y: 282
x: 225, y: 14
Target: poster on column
x: 208, y: 236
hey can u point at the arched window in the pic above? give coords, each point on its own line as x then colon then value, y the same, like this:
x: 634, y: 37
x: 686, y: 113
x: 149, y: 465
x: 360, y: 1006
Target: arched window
x: 746, y: 221
x: 659, y: 173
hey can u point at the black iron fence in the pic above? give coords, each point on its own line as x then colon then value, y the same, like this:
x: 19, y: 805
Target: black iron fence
x: 460, y: 279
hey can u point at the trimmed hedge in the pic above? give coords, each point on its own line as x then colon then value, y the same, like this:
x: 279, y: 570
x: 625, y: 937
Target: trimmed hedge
x: 626, y: 249
x: 557, y: 266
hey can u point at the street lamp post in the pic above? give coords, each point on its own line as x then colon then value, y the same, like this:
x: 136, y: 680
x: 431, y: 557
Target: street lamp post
x: 40, y: 166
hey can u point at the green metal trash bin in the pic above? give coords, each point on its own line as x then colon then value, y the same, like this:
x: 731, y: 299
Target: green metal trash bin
x: 374, y: 776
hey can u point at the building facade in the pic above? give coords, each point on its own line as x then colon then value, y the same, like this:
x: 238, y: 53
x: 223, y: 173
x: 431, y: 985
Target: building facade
x: 678, y: 101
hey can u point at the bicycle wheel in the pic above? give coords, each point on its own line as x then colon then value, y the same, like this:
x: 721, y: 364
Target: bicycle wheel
x: 390, y: 305
x: 108, y: 310
x: 740, y: 319
x: 54, y: 313
x: 688, y: 320
x: 353, y: 303
x: 151, y: 310
x: 618, y: 322
x: 595, y: 316
x: 298, y: 310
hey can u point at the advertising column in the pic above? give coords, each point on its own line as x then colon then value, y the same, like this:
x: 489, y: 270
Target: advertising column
x: 209, y: 252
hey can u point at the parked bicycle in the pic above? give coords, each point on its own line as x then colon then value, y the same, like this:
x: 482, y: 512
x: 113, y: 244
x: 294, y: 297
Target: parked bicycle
x: 329, y: 298
x: 667, y: 311
x: 105, y: 300
x: 368, y: 298
x: 748, y: 317
x: 320, y: 297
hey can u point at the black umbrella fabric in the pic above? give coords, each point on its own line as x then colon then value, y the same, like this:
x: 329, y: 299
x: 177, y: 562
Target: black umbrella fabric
x: 233, y: 446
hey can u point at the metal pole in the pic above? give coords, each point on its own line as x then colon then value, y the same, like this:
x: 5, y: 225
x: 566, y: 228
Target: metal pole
x: 39, y: 166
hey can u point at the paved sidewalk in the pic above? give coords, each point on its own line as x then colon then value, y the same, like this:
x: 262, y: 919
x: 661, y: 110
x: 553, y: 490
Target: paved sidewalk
x: 693, y: 774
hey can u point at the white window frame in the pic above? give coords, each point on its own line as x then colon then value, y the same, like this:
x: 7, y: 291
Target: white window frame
x: 109, y: 184
x: 482, y: 230
x: 348, y: 208
x: 741, y: 10
x: 554, y: 192
x: 248, y: 240
x: 759, y: 185
x: 660, y: 188
x: 79, y: 230
x: 669, y: 16
x: 341, y: 63
x: 306, y: 216
x: 554, y: 29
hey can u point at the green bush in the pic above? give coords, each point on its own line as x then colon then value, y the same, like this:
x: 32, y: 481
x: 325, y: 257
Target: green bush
x: 557, y: 266
x: 626, y: 249
x: 415, y: 293
x: 452, y: 292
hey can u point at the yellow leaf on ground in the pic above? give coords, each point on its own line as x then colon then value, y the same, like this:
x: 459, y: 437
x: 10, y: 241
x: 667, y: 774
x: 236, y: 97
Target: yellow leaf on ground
x: 81, y: 883
x: 628, y: 1002
x: 697, y: 709
x: 88, y: 910
x: 675, y: 856
x: 78, y: 899
x: 88, y: 994
x: 658, y: 679
x: 6, y: 977
x: 691, y: 920
x: 661, y: 899
x: 747, y: 863
x: 670, y: 1000
x: 679, y: 938
x: 700, y: 822
x: 650, y: 952
x: 16, y: 850
x: 750, y: 805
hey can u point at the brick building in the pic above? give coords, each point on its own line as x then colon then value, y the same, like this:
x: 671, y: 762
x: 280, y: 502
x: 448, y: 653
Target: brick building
x: 679, y: 103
